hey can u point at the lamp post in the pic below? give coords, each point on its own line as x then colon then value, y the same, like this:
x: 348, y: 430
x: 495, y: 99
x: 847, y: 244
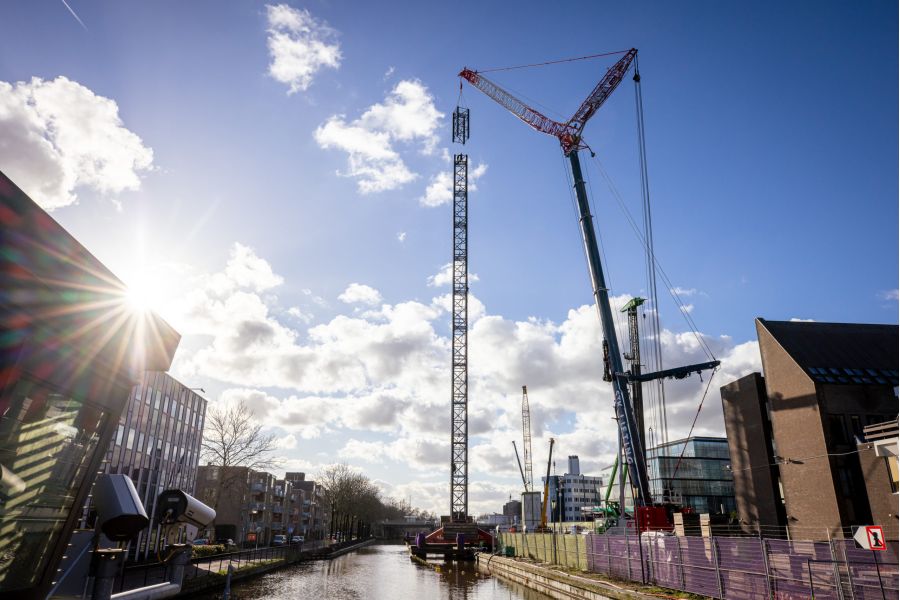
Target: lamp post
x: 559, y: 503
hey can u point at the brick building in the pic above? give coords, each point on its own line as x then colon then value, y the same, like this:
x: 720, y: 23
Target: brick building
x: 796, y: 432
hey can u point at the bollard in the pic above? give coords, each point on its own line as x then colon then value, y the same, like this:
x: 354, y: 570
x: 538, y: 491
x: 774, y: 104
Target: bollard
x: 226, y: 594
x: 420, y: 539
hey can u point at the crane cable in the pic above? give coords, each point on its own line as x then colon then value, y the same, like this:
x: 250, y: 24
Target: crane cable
x: 696, y: 416
x: 682, y: 308
x: 550, y: 62
x: 656, y: 343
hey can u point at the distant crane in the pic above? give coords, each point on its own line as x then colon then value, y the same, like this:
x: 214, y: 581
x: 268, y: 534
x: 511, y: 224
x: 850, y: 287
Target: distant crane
x: 570, y: 138
x: 542, y: 528
x: 526, y: 439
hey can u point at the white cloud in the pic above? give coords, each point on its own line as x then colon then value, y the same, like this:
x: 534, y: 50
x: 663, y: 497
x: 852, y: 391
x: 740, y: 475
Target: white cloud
x: 680, y: 291
x: 297, y: 313
x: 58, y: 135
x: 288, y: 442
x: 440, y: 189
x: 246, y: 269
x: 378, y: 379
x: 357, y: 293
x: 388, y: 73
x: 300, y: 46
x: 445, y: 276
x: 891, y: 295
x: 407, y: 115
x: 799, y: 320
x: 401, y: 237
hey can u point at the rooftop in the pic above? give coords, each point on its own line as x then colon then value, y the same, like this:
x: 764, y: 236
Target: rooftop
x: 840, y: 353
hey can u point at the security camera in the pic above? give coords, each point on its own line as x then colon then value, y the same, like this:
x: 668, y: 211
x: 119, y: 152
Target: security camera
x: 175, y: 506
x: 120, y: 514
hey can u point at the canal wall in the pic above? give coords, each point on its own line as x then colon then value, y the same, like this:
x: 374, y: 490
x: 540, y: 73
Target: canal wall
x: 555, y: 584
x: 216, y: 581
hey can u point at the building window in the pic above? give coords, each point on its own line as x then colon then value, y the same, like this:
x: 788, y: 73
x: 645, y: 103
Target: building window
x: 837, y: 429
x: 892, y: 472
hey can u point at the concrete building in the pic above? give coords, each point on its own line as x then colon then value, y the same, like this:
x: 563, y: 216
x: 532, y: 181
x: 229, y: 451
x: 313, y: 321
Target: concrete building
x: 571, y: 492
x: 157, y: 444
x: 314, y: 514
x: 793, y: 430
x: 252, y: 506
x: 70, y: 353
x: 513, y: 509
x: 693, y: 472
x: 227, y: 490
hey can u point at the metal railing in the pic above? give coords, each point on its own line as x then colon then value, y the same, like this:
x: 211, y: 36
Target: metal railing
x: 143, y: 574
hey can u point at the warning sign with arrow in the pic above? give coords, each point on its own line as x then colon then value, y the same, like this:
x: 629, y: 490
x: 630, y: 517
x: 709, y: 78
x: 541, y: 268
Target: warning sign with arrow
x: 870, y: 537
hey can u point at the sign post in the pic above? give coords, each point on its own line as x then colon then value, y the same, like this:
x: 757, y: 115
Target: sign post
x: 870, y: 537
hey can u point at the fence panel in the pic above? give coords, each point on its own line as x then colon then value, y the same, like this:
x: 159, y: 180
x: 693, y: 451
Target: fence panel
x: 861, y: 574
x: 790, y: 572
x: 700, y: 575
x: 742, y: 568
x: 664, y: 561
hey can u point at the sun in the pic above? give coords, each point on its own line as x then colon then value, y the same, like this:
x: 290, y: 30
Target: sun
x: 141, y: 295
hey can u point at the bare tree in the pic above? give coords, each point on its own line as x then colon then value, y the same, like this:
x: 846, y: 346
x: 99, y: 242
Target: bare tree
x: 233, y: 441
x: 350, y: 496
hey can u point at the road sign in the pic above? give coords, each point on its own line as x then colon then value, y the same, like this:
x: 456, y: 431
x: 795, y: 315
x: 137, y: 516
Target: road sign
x: 870, y: 537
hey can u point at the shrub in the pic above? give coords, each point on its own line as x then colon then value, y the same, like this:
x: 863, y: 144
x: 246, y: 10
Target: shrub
x: 207, y: 550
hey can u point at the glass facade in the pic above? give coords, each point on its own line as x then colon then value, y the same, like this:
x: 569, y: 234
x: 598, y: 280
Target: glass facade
x: 157, y: 444
x: 693, y: 472
x: 47, y: 440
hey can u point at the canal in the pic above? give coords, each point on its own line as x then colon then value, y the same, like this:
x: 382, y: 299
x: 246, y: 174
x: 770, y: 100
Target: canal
x: 382, y: 571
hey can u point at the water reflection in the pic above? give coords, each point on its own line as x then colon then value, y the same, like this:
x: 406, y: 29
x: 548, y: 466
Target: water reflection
x: 383, y: 571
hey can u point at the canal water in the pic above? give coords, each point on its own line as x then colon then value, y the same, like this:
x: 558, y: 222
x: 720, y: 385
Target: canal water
x: 382, y: 571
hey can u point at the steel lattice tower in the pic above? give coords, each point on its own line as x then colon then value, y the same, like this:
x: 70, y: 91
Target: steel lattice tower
x: 459, y: 433
x: 526, y: 439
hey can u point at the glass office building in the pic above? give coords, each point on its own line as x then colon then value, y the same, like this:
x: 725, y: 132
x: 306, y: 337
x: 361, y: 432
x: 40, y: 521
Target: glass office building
x: 71, y: 349
x: 157, y: 444
x: 693, y: 472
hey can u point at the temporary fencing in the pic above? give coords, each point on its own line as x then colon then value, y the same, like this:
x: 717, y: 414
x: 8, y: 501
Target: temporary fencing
x: 725, y: 567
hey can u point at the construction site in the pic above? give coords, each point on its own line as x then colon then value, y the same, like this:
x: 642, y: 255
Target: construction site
x: 632, y: 516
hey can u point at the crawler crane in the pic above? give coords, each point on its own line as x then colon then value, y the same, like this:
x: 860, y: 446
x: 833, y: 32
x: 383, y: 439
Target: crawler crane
x: 570, y: 138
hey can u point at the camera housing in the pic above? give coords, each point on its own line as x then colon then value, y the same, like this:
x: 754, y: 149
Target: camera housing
x: 177, y: 506
x: 120, y: 513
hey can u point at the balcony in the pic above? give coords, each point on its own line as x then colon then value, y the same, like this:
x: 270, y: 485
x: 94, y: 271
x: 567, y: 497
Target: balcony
x: 257, y: 487
x: 277, y: 509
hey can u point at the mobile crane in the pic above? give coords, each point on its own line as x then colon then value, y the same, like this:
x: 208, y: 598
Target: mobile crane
x: 542, y: 528
x: 570, y: 138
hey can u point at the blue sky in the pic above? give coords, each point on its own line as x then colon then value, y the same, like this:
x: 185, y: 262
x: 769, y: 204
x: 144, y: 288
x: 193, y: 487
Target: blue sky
x: 201, y: 171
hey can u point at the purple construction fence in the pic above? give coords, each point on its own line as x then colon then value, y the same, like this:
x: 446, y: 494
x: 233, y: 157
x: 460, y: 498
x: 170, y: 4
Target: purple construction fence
x: 747, y: 567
